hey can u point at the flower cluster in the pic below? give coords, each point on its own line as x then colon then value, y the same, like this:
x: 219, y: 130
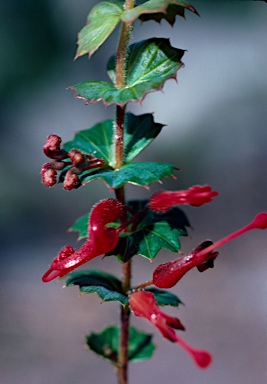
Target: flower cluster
x: 197, y: 195
x: 101, y: 239
x: 168, y: 274
x: 74, y: 159
x: 143, y: 304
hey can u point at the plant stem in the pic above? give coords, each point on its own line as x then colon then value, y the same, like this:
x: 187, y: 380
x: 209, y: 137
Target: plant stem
x: 126, y: 30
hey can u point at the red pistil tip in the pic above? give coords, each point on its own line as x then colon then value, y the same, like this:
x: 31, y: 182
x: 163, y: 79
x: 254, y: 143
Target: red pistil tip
x: 260, y: 221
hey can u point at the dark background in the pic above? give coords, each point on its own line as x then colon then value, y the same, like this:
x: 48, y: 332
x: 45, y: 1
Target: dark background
x: 216, y: 132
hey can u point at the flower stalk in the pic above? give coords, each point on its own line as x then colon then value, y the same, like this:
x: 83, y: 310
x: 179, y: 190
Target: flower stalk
x: 125, y: 35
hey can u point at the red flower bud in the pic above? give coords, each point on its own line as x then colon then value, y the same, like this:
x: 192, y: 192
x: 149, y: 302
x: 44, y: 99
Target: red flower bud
x: 101, y: 239
x: 143, y: 304
x: 71, y: 180
x: 52, y: 148
x: 168, y: 274
x: 197, y: 195
x: 49, y: 175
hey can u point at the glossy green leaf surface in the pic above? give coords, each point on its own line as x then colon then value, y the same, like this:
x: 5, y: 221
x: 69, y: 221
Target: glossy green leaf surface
x: 165, y: 297
x: 153, y: 233
x: 81, y: 226
x: 106, y: 344
x: 135, y: 173
x: 101, y: 21
x: 107, y: 286
x: 150, y: 63
x: 140, y: 131
x: 97, y: 141
x: 158, y: 10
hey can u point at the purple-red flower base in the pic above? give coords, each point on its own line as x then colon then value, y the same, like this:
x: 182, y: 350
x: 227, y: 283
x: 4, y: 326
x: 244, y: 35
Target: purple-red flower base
x: 143, y: 304
x: 168, y: 274
x: 197, y: 195
x: 101, y: 239
x: 77, y: 160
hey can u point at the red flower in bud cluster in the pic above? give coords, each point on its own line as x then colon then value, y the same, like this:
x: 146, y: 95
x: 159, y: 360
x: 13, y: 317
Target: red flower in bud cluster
x: 143, y: 304
x: 168, y: 274
x: 78, y: 161
x: 197, y: 195
x: 101, y: 239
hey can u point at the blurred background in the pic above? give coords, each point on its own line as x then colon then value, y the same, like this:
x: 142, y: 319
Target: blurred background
x: 216, y: 132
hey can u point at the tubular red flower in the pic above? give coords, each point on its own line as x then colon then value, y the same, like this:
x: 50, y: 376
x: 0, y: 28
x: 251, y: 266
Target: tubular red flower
x: 168, y: 274
x: 101, y: 239
x: 143, y: 304
x: 197, y: 195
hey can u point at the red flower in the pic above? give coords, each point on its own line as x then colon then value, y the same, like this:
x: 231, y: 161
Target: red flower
x: 101, y: 239
x: 143, y: 304
x: 168, y: 274
x: 197, y: 195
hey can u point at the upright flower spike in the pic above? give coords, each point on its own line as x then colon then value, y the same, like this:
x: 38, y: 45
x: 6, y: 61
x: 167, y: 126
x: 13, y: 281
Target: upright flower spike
x: 168, y: 274
x: 197, y: 195
x: 101, y: 239
x: 143, y: 304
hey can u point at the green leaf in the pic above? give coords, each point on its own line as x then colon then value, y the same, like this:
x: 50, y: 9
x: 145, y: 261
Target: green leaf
x: 134, y: 173
x: 150, y: 63
x: 165, y: 297
x: 154, y: 232
x: 140, y: 346
x: 101, y: 21
x: 160, y: 236
x: 140, y: 131
x: 106, y: 344
x: 158, y: 10
x: 81, y: 226
x: 107, y: 286
x: 97, y: 141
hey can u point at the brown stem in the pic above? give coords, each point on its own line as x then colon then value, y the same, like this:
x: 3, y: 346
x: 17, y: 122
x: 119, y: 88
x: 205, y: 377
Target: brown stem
x: 122, y: 370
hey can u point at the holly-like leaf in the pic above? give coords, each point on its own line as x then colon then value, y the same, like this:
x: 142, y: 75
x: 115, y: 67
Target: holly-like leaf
x: 140, y: 131
x: 134, y: 173
x: 107, y: 286
x: 149, y: 64
x: 160, y: 236
x: 81, y: 226
x: 158, y: 10
x: 101, y: 21
x: 97, y: 141
x: 154, y: 232
x: 165, y: 297
x: 106, y: 344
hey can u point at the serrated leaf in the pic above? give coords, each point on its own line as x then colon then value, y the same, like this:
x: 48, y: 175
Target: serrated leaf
x: 150, y: 63
x: 158, y: 10
x: 165, y: 297
x: 154, y: 232
x: 107, y: 286
x: 140, y: 131
x: 101, y: 21
x: 106, y: 344
x: 161, y: 236
x: 81, y: 226
x: 135, y: 173
x: 97, y: 141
